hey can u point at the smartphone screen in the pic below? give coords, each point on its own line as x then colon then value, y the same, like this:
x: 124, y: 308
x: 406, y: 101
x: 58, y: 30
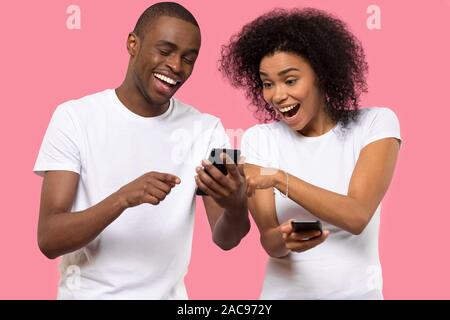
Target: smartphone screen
x: 299, y: 226
x: 216, y: 159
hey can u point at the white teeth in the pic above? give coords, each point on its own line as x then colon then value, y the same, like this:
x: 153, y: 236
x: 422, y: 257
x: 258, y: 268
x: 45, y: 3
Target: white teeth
x: 286, y: 109
x: 165, y: 79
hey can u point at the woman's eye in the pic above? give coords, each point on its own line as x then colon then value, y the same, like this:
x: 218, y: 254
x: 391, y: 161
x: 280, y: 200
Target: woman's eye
x: 267, y: 85
x: 291, y: 82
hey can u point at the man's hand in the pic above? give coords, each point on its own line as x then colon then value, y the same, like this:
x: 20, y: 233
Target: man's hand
x: 227, y: 190
x: 152, y: 188
x: 226, y: 203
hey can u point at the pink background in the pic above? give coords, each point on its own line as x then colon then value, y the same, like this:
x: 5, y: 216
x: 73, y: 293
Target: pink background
x: 43, y: 64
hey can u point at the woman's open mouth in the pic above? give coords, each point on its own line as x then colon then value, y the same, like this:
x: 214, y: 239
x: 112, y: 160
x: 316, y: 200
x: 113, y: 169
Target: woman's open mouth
x: 291, y: 111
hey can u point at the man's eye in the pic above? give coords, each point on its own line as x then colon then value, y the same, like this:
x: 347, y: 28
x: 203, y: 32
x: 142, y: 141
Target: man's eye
x: 188, y: 60
x: 164, y: 52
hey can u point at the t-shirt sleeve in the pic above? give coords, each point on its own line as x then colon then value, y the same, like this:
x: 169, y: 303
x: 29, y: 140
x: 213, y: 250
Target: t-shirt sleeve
x: 382, y: 124
x: 255, y: 148
x: 60, y: 147
x: 219, y: 139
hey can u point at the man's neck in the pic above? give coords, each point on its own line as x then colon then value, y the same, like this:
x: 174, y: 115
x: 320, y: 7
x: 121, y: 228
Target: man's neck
x: 134, y: 100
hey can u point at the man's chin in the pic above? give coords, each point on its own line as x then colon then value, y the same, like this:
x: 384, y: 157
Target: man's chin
x: 158, y: 95
x: 161, y: 93
x: 158, y: 100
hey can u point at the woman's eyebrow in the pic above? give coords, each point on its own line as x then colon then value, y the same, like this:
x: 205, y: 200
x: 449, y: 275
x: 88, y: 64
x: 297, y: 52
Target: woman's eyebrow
x: 282, y: 72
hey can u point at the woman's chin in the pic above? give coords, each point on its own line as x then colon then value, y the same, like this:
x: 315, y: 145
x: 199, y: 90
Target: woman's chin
x: 295, y: 126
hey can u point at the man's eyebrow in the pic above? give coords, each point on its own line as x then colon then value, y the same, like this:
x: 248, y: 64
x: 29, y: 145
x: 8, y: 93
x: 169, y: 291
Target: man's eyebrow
x: 166, y: 43
x: 282, y: 72
x: 194, y: 51
x: 174, y: 46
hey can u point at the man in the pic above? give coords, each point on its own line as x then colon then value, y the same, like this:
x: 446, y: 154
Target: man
x: 132, y: 240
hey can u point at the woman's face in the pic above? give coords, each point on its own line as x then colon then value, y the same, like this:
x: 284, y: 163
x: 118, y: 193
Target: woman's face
x: 290, y: 87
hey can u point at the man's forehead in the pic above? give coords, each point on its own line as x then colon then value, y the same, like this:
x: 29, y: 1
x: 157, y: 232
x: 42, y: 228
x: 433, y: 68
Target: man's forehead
x: 171, y: 26
x: 173, y: 30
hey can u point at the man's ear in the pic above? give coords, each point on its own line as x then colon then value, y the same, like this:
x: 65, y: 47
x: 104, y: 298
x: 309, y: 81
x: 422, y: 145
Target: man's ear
x: 133, y: 43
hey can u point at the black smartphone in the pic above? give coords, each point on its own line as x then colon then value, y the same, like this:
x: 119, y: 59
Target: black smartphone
x: 299, y: 226
x: 216, y: 159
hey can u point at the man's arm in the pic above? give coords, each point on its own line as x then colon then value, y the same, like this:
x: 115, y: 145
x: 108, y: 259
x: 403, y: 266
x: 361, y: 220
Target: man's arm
x: 61, y: 231
x: 226, y: 203
x: 228, y: 226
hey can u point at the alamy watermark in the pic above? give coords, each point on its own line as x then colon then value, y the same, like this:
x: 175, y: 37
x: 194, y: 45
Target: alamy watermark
x: 73, y: 21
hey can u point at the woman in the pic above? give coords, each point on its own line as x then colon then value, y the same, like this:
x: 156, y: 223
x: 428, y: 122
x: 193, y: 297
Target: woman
x: 323, y: 158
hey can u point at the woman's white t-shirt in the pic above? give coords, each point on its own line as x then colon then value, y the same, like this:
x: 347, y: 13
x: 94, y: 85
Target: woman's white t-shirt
x: 345, y: 266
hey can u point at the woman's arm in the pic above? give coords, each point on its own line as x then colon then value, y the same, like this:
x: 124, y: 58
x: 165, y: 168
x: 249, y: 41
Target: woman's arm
x: 262, y: 209
x: 369, y: 182
x: 278, y: 240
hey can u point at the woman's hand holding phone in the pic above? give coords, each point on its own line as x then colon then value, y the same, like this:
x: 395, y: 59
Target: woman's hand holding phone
x: 302, y: 240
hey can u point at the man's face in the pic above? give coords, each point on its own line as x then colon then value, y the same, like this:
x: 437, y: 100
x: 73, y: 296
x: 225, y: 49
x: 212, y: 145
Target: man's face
x: 164, y: 58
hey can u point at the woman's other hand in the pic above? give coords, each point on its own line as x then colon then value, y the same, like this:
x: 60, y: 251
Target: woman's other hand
x: 301, y: 241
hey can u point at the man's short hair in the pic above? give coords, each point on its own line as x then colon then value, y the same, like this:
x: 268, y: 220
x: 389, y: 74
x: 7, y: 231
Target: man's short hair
x: 169, y: 9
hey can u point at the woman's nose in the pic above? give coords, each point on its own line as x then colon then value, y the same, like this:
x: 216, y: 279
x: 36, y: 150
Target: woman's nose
x: 279, y: 95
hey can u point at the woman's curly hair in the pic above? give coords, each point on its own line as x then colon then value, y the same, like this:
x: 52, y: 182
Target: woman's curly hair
x: 334, y: 53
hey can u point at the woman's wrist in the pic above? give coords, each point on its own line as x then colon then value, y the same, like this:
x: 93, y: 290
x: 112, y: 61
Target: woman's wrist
x: 275, y: 244
x: 280, y: 181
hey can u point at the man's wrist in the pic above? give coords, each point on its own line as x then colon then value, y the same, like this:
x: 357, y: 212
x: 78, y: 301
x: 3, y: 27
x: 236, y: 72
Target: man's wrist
x: 237, y: 210
x: 120, y: 202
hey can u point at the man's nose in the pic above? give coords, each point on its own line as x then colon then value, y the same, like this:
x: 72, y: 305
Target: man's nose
x: 174, y: 63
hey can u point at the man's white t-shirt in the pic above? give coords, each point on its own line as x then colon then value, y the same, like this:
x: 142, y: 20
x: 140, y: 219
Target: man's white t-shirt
x: 345, y: 266
x: 145, y: 253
